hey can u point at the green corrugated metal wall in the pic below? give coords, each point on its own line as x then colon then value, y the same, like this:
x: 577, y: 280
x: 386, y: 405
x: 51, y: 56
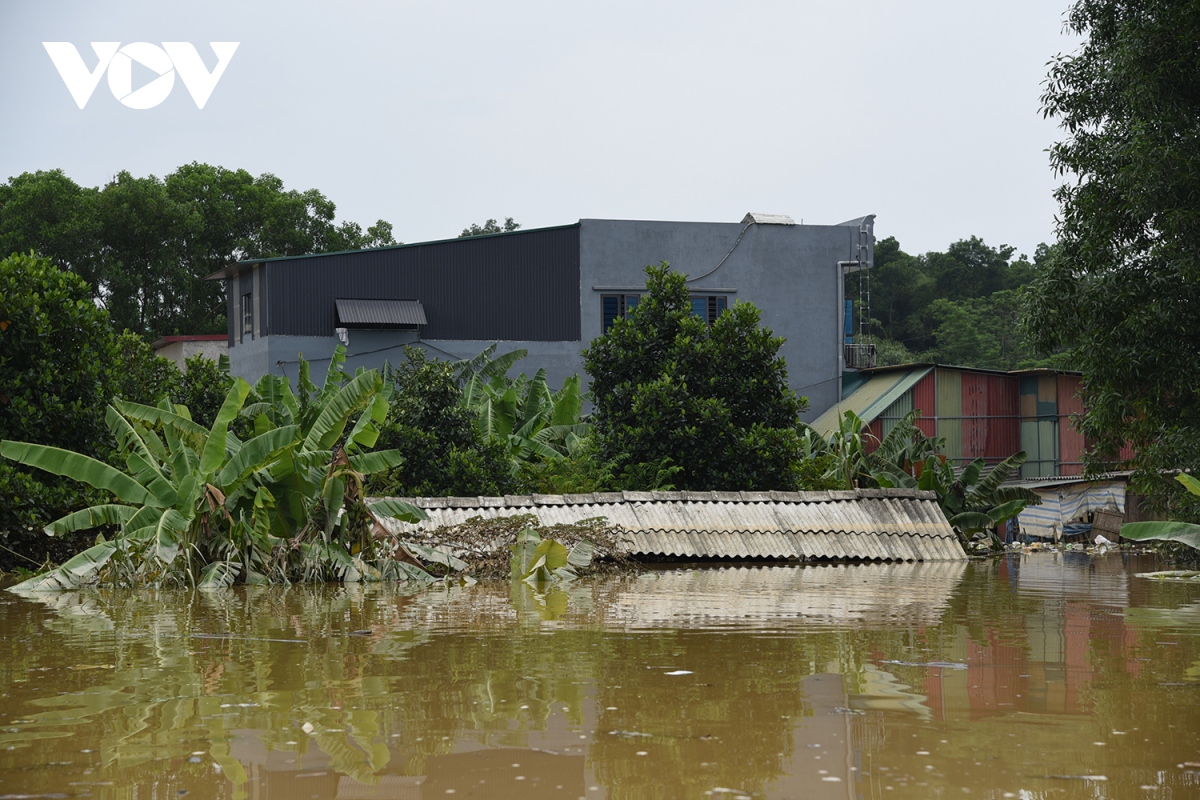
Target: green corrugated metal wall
x: 894, y: 413
x: 949, y: 404
x: 1039, y: 425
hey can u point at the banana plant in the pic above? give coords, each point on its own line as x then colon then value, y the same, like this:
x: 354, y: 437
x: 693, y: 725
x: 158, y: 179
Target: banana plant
x: 860, y: 460
x: 974, y: 501
x: 1184, y: 532
x: 533, y: 421
x: 200, y: 507
x: 486, y: 366
x: 537, y: 561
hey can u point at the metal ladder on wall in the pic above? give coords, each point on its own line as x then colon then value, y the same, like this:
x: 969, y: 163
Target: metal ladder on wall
x: 861, y: 353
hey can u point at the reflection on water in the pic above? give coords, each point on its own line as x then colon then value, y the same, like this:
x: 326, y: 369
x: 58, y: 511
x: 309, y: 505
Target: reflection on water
x: 1033, y: 676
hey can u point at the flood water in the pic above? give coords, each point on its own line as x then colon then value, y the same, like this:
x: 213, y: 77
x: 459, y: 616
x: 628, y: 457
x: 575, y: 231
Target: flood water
x: 1048, y: 675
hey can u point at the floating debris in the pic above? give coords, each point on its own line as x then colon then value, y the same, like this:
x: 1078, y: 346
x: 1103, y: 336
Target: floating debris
x: 941, y: 664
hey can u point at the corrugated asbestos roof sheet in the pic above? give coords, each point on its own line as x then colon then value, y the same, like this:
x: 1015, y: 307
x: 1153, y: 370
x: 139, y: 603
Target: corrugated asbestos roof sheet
x: 768, y: 219
x: 367, y: 313
x: 872, y: 398
x: 864, y: 524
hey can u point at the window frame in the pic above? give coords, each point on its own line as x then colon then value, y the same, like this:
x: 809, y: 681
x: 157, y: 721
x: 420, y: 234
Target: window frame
x: 247, y: 315
x: 624, y: 307
x: 714, y: 306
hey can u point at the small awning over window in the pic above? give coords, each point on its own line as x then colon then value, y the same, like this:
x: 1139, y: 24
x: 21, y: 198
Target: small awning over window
x: 380, y: 313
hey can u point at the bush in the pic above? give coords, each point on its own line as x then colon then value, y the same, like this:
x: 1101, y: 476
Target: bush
x: 60, y: 364
x: 708, y: 403
x: 137, y: 374
x: 202, y: 388
x: 444, y: 453
x: 55, y: 347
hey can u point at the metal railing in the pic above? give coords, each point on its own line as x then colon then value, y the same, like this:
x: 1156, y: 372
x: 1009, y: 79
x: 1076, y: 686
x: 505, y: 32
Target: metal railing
x: 860, y: 356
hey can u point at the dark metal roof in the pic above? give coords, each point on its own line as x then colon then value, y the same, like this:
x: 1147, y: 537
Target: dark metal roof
x: 361, y: 313
x: 863, y: 524
x: 232, y: 269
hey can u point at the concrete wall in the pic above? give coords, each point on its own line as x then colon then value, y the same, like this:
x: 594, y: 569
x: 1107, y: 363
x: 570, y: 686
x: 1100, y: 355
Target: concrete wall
x: 180, y: 352
x: 790, y: 272
x: 280, y: 355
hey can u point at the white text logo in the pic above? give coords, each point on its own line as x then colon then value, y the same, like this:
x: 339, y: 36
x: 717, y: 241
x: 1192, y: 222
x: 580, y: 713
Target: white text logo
x: 164, y: 61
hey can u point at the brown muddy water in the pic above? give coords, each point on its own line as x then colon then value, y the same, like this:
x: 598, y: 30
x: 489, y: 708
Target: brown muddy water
x: 1046, y: 675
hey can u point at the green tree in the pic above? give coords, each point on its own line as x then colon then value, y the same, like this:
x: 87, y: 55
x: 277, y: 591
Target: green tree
x: 438, y: 437
x: 145, y: 245
x: 491, y: 226
x: 710, y: 401
x: 137, y: 374
x: 1123, y: 290
x: 958, y: 307
x: 202, y: 387
x: 50, y: 214
x: 55, y: 348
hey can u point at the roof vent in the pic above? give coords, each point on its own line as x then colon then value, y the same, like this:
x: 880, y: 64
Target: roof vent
x: 768, y: 219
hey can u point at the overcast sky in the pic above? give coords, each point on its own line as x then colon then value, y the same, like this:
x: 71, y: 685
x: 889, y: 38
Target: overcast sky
x: 436, y: 115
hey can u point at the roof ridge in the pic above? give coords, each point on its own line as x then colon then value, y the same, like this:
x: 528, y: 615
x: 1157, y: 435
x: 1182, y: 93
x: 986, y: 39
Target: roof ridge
x: 609, y: 498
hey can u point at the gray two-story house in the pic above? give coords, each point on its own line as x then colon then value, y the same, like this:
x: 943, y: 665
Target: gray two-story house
x: 550, y: 291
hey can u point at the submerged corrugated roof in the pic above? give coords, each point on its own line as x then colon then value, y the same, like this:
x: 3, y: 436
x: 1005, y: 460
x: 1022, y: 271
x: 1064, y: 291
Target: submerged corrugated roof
x: 384, y: 313
x: 864, y: 524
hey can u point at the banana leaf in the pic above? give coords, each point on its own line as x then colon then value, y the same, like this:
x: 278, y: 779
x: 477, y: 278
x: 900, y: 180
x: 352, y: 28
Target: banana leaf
x: 549, y: 558
x: 436, y: 556
x: 378, y: 461
x: 128, y: 439
x: 971, y: 521
x: 336, y: 413
x: 989, y: 483
x: 581, y: 554
x: 522, y: 552
x: 149, y: 475
x: 1005, y: 511
x: 216, y: 441
x: 568, y: 403
x: 255, y: 454
x: 79, y: 570
x: 219, y: 575
x: 397, y: 509
x: 1189, y: 483
x: 365, y: 432
x: 78, y: 467
x: 1184, y: 532
x: 182, y: 425
x: 88, y: 518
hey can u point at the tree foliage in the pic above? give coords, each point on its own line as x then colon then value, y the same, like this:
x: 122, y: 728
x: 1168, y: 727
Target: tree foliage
x: 491, y: 226
x: 958, y: 307
x: 55, y: 348
x: 1123, y: 290
x: 710, y: 402
x: 145, y: 244
x: 439, y: 437
x: 60, y: 363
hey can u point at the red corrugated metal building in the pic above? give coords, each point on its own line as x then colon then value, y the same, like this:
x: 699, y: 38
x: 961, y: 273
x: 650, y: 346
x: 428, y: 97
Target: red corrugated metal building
x: 979, y: 413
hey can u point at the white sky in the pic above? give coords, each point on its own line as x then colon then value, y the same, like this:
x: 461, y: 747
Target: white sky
x: 437, y: 115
